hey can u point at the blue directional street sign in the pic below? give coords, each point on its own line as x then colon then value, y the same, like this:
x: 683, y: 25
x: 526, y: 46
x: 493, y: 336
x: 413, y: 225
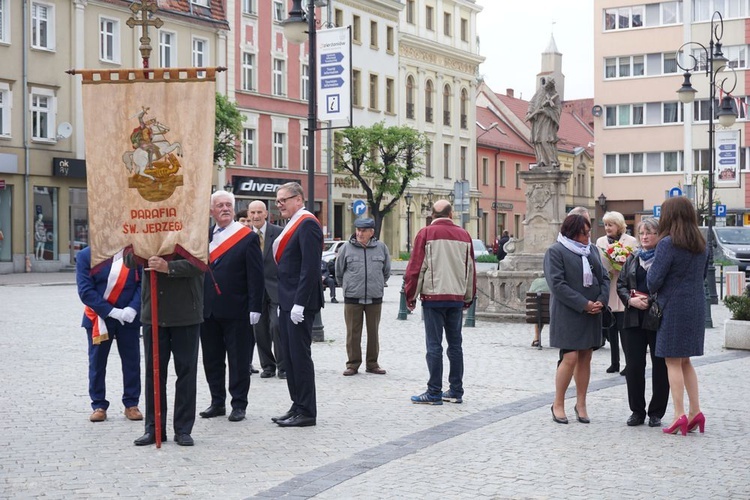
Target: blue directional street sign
x: 332, y: 83
x: 721, y: 210
x: 334, y: 70
x: 331, y: 58
x: 657, y: 211
x: 359, y: 207
x: 675, y: 191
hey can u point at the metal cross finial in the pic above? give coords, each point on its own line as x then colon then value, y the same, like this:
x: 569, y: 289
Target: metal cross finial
x: 147, y: 8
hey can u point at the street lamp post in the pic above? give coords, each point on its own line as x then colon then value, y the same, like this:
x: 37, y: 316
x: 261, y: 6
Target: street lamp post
x: 715, y: 63
x: 408, y: 197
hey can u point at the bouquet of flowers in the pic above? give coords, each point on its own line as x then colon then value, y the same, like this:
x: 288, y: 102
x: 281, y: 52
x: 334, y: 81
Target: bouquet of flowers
x: 616, y: 254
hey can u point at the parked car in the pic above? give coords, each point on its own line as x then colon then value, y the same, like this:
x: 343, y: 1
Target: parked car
x: 330, y: 248
x: 479, y: 248
x: 733, y: 244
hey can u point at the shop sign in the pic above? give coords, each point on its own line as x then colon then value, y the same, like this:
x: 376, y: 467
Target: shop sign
x: 69, y: 167
x: 259, y: 187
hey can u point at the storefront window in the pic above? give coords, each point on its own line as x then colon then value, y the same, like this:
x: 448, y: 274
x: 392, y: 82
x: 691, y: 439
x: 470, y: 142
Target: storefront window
x: 45, y: 223
x: 6, y: 247
x: 79, y: 222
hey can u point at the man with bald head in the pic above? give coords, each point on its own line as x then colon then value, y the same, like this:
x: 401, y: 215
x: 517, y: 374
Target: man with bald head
x: 442, y: 273
x: 267, y: 329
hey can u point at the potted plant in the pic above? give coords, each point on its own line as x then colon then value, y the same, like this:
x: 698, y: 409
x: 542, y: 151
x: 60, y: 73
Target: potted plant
x: 737, y: 329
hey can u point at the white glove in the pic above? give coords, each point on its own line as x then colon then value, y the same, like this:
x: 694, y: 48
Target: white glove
x: 278, y: 311
x: 254, y: 318
x: 129, y: 314
x: 297, y: 315
x: 117, y: 314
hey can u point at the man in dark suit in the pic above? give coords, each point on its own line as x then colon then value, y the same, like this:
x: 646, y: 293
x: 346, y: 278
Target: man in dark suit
x: 267, y: 329
x: 233, y: 294
x: 297, y: 251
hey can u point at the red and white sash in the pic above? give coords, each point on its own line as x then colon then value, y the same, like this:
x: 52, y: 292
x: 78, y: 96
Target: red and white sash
x: 226, y: 239
x: 280, y: 243
x: 118, y: 275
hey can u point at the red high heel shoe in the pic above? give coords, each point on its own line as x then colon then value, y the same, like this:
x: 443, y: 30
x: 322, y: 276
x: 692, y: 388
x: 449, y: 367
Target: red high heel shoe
x: 698, y: 421
x: 681, y: 424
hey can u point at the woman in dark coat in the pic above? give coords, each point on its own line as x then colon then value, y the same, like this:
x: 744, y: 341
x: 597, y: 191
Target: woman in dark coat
x: 638, y: 335
x: 677, y: 275
x: 579, y: 289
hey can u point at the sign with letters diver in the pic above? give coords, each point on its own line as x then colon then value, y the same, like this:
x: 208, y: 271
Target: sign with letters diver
x: 333, y: 78
x: 727, y: 159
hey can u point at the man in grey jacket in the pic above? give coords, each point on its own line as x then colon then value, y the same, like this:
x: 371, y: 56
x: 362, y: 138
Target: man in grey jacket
x: 363, y: 266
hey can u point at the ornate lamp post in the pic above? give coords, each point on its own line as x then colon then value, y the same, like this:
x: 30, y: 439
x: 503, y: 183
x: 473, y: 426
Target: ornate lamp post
x: 715, y: 62
x: 408, y: 197
x: 427, y: 207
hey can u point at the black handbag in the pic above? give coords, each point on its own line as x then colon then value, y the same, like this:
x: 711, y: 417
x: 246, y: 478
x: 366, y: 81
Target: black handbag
x: 652, y: 319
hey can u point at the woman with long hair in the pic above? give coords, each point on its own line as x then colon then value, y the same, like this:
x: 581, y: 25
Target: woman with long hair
x: 677, y: 276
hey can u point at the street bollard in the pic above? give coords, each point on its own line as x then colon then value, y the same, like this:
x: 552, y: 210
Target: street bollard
x: 402, y: 310
x: 318, y: 331
x: 471, y: 315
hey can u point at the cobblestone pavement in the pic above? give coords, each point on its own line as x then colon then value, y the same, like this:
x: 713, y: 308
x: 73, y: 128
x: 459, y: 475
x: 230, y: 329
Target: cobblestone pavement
x: 370, y: 441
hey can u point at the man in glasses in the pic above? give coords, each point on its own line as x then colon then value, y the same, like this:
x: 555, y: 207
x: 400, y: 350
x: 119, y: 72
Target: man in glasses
x: 297, y: 251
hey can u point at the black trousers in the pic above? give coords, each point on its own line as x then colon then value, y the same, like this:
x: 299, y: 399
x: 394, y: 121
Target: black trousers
x: 182, y: 342
x: 296, y: 342
x: 613, y: 335
x: 267, y: 338
x: 635, y: 341
x: 227, y: 340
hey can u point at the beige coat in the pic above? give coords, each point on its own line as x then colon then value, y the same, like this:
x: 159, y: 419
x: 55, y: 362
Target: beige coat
x: 614, y: 300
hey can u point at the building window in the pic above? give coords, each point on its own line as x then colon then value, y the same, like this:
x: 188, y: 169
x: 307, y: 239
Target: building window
x: 429, y: 21
x: 46, y: 223
x: 502, y: 173
x: 200, y: 59
x: 202, y: 3
x: 356, y: 88
x: 5, y: 103
x: 670, y: 63
x: 167, y: 49
x: 485, y: 171
x: 464, y: 30
x: 464, y: 109
x: 374, y: 92
x: 278, y: 11
x: 640, y: 163
x: 428, y: 159
x: 109, y: 40
x: 278, y: 77
x: 518, y: 176
x: 42, y: 114
x: 4, y: 26
x: 624, y: 115
x: 338, y: 16
x: 447, y: 24
x: 447, y: 105
x: 304, y: 152
x: 248, y: 7
x: 672, y: 112
x: 305, y: 84
x: 410, y: 97
x: 373, y: 34
x: 356, y: 29
x: 410, y: 12
x: 248, y: 71
x: 42, y: 26
x: 428, y: 105
x: 463, y: 162
x: 248, y: 147
x: 446, y: 161
x: 389, y: 97
x: 389, y: 40
x: 279, y: 149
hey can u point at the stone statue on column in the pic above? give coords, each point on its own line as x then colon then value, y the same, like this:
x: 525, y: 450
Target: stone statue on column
x: 544, y: 116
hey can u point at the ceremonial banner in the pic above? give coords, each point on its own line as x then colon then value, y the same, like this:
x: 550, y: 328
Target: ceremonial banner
x: 149, y: 161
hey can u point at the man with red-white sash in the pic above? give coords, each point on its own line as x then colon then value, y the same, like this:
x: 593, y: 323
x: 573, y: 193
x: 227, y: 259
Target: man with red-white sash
x: 233, y: 297
x: 112, y: 299
x: 297, y: 251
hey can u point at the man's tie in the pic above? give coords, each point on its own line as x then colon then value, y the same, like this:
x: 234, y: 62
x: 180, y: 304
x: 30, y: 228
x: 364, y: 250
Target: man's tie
x: 261, y: 240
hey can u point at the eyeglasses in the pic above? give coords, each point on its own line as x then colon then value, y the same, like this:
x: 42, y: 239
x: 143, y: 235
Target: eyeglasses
x: 283, y: 201
x: 646, y: 234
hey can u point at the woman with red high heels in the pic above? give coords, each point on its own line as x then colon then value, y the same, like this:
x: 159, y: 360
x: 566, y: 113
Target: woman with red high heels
x: 677, y: 276
x: 579, y: 289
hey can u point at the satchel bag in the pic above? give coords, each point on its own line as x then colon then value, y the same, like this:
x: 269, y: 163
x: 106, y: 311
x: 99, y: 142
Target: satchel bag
x: 652, y: 320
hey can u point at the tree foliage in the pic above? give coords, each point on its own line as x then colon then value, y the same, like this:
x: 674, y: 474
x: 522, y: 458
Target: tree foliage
x: 384, y: 160
x: 228, y: 128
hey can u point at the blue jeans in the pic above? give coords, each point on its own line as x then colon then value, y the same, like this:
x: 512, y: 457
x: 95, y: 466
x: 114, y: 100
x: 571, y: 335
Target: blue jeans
x: 437, y: 319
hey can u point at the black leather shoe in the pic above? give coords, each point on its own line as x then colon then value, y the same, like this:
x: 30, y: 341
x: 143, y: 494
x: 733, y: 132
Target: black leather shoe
x: 214, y: 411
x: 237, y: 415
x: 285, y: 416
x: 296, y: 421
x: 184, y: 439
x: 147, y: 439
x: 267, y: 374
x: 613, y: 369
x: 253, y: 369
x: 654, y: 421
x: 636, y: 420
x: 282, y: 375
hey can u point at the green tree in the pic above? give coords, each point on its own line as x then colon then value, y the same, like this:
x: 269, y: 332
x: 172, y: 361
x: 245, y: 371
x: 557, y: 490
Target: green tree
x: 228, y: 128
x: 384, y: 160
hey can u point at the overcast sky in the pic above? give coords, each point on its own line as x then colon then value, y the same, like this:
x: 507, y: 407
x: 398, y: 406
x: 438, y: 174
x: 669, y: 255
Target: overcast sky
x: 513, y: 35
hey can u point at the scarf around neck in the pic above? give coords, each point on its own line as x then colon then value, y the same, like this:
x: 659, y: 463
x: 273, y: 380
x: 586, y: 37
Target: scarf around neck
x: 646, y: 257
x: 583, y: 251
